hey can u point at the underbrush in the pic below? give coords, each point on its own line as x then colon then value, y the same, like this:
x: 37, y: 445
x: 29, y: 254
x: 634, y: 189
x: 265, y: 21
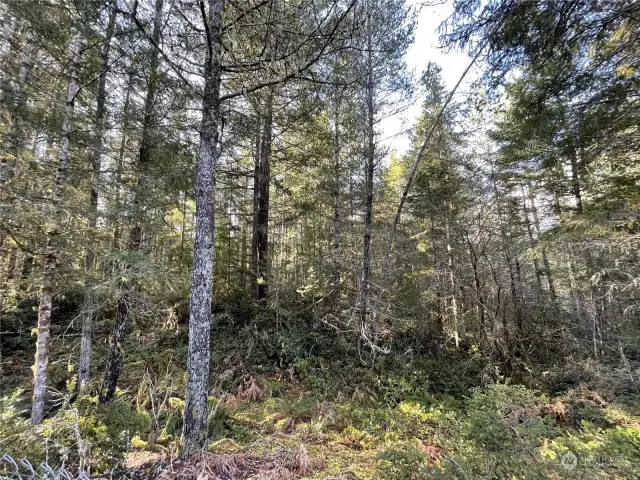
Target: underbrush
x: 497, y: 431
x: 289, y: 397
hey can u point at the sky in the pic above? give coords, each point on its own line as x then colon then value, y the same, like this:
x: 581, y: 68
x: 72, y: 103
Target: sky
x: 426, y: 48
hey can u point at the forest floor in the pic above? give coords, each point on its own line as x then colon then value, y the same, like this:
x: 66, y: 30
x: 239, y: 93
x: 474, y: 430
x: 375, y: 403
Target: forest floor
x: 279, y: 412
x: 300, y: 435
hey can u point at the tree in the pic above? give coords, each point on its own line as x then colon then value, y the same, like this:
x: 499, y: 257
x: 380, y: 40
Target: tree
x: 51, y: 258
x: 84, y: 363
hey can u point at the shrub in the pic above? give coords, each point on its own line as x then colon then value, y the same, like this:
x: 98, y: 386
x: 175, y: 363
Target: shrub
x: 402, y: 461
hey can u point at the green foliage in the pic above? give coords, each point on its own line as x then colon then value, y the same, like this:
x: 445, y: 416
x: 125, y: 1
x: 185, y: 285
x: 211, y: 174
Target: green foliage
x: 504, y: 415
x: 398, y: 379
x: 401, y: 461
x: 105, y: 431
x: 93, y: 436
x: 18, y: 438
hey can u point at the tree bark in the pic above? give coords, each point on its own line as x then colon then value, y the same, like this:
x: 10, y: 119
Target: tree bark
x: 14, y: 132
x: 196, y: 409
x: 51, y: 259
x: 88, y: 309
x: 121, y: 153
x: 532, y: 240
x: 19, y: 101
x: 369, y: 172
x: 452, y: 280
x: 337, y: 248
x: 510, y: 262
x: 262, y: 183
x: 545, y: 256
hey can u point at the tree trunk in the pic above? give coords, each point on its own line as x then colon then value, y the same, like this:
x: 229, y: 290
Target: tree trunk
x: 96, y: 157
x: 15, y: 133
x: 510, y: 262
x: 244, y: 268
x: 368, y: 208
x: 596, y: 297
x: 337, y: 252
x: 532, y: 240
x: 123, y: 307
x: 545, y: 256
x: 262, y: 182
x: 196, y: 409
x: 121, y: 152
x: 51, y: 259
x: 452, y: 281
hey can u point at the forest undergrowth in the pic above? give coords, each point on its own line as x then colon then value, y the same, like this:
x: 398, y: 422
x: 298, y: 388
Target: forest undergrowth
x: 291, y: 399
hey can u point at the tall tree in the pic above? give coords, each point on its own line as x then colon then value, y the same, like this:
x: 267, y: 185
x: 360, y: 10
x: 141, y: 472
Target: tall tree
x: 196, y: 410
x: 96, y: 154
x: 53, y: 230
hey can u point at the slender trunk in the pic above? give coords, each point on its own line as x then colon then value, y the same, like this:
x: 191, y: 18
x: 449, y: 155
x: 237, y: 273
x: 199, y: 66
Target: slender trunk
x: 14, y: 135
x: 369, y: 171
x: 255, y: 268
x: 545, y: 256
x: 123, y: 307
x: 15, y: 132
x: 116, y: 353
x: 260, y: 241
x: 510, y: 262
x: 243, y: 255
x: 480, y: 301
x: 121, y: 152
x: 337, y: 252
x: 575, y: 184
x: 51, y: 259
x: 183, y: 228
x: 196, y: 410
x: 596, y: 297
x: 229, y: 274
x: 452, y: 282
x: 532, y: 240
x: 96, y: 157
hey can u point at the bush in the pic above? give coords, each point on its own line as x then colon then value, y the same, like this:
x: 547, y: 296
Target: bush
x: 105, y: 431
x: 402, y: 461
x: 18, y: 438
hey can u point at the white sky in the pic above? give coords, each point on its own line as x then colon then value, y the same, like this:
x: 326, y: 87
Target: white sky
x: 426, y: 48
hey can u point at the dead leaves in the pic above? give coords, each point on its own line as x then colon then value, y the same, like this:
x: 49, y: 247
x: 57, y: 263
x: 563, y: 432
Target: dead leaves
x: 285, y: 464
x: 249, y: 390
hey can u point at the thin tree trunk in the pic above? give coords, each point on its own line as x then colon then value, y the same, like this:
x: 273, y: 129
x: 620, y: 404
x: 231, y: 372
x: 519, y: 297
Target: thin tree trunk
x: 337, y: 248
x: 480, y: 301
x: 183, y: 228
x: 368, y: 207
x: 51, y: 259
x: 196, y: 410
x: 532, y: 240
x: 545, y: 256
x: 15, y: 132
x: 121, y: 152
x: 452, y: 282
x: 598, y: 304
x: 88, y: 308
x: 260, y: 240
x: 255, y: 268
x: 510, y: 262
x: 243, y: 255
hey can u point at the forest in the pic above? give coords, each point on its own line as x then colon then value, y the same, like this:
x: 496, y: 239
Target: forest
x: 248, y: 239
